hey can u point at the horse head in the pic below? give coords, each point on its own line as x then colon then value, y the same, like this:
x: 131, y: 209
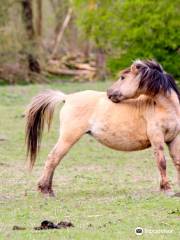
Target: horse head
x: 143, y: 77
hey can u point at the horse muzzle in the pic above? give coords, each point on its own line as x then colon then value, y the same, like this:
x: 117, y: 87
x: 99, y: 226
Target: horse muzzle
x: 115, y: 96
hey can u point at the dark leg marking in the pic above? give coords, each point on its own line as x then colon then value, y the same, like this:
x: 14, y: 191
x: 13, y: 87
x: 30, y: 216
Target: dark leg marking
x: 162, y: 164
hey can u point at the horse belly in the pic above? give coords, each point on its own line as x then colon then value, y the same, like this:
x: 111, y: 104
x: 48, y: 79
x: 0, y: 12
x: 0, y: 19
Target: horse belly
x: 119, y: 126
x: 124, y: 137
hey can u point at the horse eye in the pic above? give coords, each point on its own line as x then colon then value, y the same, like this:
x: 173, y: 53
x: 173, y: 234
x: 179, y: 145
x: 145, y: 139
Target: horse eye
x: 122, y: 77
x: 138, y: 66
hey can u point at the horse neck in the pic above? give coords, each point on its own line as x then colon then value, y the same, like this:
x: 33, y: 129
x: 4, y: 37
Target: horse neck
x: 170, y: 100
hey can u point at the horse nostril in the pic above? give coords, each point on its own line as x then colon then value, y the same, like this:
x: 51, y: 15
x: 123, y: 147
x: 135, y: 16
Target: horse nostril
x: 110, y: 96
x: 115, y: 94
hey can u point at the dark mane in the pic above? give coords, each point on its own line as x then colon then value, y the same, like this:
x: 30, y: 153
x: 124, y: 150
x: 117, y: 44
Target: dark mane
x: 154, y: 79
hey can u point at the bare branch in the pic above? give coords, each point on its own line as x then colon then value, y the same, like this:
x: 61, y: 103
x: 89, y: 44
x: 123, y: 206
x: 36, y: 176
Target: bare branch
x: 61, y: 33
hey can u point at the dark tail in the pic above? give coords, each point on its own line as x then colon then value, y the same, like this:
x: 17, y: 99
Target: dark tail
x: 38, y: 112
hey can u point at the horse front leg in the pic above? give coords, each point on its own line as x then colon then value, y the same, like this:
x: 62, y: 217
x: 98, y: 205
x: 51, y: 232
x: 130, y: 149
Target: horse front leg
x: 174, y: 151
x: 157, y: 143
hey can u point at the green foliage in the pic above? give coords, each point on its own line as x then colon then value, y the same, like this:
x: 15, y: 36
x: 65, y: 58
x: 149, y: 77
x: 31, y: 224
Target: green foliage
x: 134, y: 29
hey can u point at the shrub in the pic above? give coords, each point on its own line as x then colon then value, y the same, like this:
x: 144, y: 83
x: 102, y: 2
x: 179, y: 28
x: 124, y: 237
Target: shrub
x: 134, y: 29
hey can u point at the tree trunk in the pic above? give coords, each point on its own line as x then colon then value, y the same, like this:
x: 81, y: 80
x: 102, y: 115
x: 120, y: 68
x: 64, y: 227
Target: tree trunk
x: 27, y: 14
x: 101, y: 64
x: 39, y: 18
x: 28, y: 18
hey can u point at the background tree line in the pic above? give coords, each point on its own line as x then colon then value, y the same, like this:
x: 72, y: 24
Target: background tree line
x: 86, y: 39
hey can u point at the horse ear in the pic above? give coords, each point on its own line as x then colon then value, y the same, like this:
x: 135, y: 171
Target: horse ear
x: 134, y: 69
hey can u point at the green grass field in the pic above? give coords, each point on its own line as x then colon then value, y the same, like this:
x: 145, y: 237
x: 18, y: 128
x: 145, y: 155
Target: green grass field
x: 106, y: 194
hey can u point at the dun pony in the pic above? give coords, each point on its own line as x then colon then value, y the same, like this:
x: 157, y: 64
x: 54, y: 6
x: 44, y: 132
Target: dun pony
x: 140, y: 110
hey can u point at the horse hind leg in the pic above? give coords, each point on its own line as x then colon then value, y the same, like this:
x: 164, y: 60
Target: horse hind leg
x: 54, y: 157
x: 63, y: 145
x: 174, y: 151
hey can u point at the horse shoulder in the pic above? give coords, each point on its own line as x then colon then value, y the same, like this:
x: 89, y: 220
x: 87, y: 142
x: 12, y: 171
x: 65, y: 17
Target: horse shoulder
x: 163, y: 121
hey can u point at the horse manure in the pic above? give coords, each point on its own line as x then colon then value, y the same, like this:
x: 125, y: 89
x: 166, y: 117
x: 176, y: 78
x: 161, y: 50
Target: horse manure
x: 15, y: 227
x: 50, y: 225
x: 46, y: 224
x: 63, y: 224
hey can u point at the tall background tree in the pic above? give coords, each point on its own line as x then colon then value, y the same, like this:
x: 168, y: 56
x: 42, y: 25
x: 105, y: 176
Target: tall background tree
x: 31, y: 41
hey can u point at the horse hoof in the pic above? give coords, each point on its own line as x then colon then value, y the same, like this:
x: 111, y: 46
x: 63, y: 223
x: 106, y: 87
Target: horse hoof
x: 46, y: 191
x: 169, y: 193
x: 50, y: 194
x: 177, y: 194
x: 47, y: 194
